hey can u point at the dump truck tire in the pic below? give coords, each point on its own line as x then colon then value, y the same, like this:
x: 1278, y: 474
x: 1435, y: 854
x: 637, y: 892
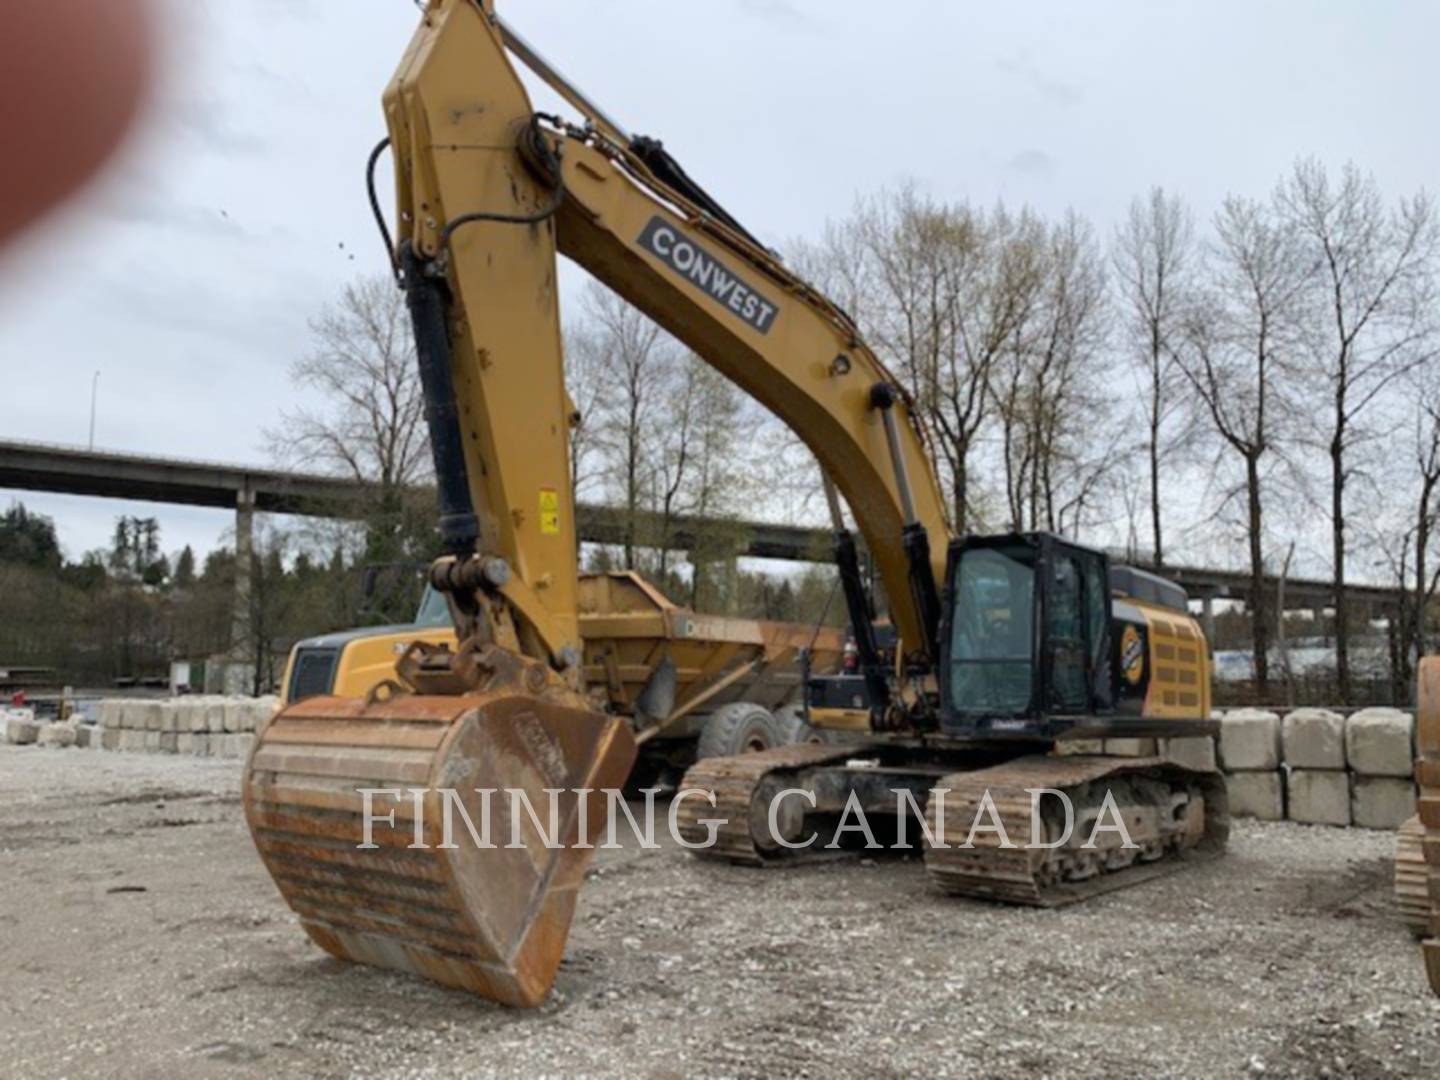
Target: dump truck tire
x: 737, y: 728
x: 794, y: 729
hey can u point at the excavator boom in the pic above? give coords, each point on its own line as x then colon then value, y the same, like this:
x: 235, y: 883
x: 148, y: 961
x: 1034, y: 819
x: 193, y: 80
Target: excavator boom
x: 491, y: 193
x: 488, y: 194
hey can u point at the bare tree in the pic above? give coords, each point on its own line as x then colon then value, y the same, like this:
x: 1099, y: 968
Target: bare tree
x: 1373, y: 318
x: 1408, y: 531
x: 953, y: 286
x: 1239, y: 343
x: 586, y: 384
x: 1050, y: 388
x: 370, y: 425
x: 1153, y: 255
x: 635, y: 356
x: 696, y: 460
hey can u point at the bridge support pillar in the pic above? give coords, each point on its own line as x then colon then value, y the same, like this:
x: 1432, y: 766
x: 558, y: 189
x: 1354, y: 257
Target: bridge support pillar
x: 237, y: 674
x: 1207, y: 620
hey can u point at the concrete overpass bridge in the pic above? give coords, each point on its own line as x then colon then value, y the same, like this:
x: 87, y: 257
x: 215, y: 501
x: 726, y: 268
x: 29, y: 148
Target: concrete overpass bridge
x: 245, y: 489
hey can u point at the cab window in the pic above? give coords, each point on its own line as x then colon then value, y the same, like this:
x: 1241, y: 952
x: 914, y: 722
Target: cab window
x: 992, y: 630
x: 1065, y: 626
x: 433, y: 609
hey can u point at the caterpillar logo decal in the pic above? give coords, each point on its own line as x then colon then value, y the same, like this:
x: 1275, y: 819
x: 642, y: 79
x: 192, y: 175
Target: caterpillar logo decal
x: 698, y: 266
x: 1132, y: 656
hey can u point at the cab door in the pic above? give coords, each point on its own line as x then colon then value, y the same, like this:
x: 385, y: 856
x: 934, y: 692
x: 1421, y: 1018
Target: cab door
x: 1077, y: 630
x: 1067, y: 655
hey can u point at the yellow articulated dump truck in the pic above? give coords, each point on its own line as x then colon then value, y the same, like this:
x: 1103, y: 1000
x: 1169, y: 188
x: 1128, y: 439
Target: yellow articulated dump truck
x: 693, y: 686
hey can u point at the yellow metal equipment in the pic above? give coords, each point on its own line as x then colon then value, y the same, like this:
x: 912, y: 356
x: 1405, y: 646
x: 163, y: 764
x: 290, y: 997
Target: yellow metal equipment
x: 672, y: 672
x: 1005, y: 646
x: 1427, y: 772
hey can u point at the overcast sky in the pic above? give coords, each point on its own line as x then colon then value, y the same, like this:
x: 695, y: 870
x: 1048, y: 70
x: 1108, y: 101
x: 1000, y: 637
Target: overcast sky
x: 187, y: 277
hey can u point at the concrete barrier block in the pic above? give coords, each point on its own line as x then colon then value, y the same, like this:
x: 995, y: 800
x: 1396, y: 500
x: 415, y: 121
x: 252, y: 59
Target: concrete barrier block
x: 88, y: 736
x: 1381, y: 802
x: 235, y: 710
x: 169, y: 716
x: 1131, y: 747
x: 169, y: 741
x: 154, y: 715
x: 200, y: 744
x: 215, y: 715
x: 1194, y: 752
x: 21, y: 732
x: 110, y: 738
x: 192, y: 714
x: 1319, y: 796
x: 1313, y: 739
x: 111, y: 712
x: 1250, y: 741
x: 132, y: 741
x: 265, y: 708
x: 1380, y: 742
x: 58, y: 735
x: 234, y: 746
x: 151, y: 743
x: 1257, y: 795
x: 184, y: 742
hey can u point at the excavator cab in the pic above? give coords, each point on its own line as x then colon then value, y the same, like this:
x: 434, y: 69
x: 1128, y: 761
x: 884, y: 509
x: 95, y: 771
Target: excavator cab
x: 1038, y: 639
x: 1025, y: 638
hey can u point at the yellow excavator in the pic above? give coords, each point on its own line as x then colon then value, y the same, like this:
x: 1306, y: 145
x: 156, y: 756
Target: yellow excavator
x: 1009, y: 650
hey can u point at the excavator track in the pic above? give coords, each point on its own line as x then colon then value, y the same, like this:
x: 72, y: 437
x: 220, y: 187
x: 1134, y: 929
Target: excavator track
x: 741, y: 786
x: 1412, y: 878
x: 493, y: 920
x: 1170, y: 813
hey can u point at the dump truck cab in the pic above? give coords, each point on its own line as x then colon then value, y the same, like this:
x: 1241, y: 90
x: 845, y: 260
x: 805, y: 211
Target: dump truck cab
x: 349, y: 663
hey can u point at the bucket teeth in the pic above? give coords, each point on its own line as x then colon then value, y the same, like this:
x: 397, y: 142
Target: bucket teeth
x: 489, y: 919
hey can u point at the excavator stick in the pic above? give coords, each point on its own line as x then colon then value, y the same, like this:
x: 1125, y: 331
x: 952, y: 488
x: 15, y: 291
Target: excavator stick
x: 486, y: 770
x: 477, y: 894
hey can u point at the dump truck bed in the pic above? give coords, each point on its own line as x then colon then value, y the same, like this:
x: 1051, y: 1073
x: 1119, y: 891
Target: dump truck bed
x: 635, y: 638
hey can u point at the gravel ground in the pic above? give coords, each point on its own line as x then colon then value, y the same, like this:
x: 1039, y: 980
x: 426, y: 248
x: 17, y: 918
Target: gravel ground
x: 141, y: 937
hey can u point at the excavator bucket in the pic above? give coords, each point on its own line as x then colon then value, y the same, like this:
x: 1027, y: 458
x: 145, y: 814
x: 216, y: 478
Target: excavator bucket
x: 470, y: 889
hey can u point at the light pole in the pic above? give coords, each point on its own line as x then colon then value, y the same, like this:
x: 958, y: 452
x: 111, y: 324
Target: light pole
x: 94, y: 386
